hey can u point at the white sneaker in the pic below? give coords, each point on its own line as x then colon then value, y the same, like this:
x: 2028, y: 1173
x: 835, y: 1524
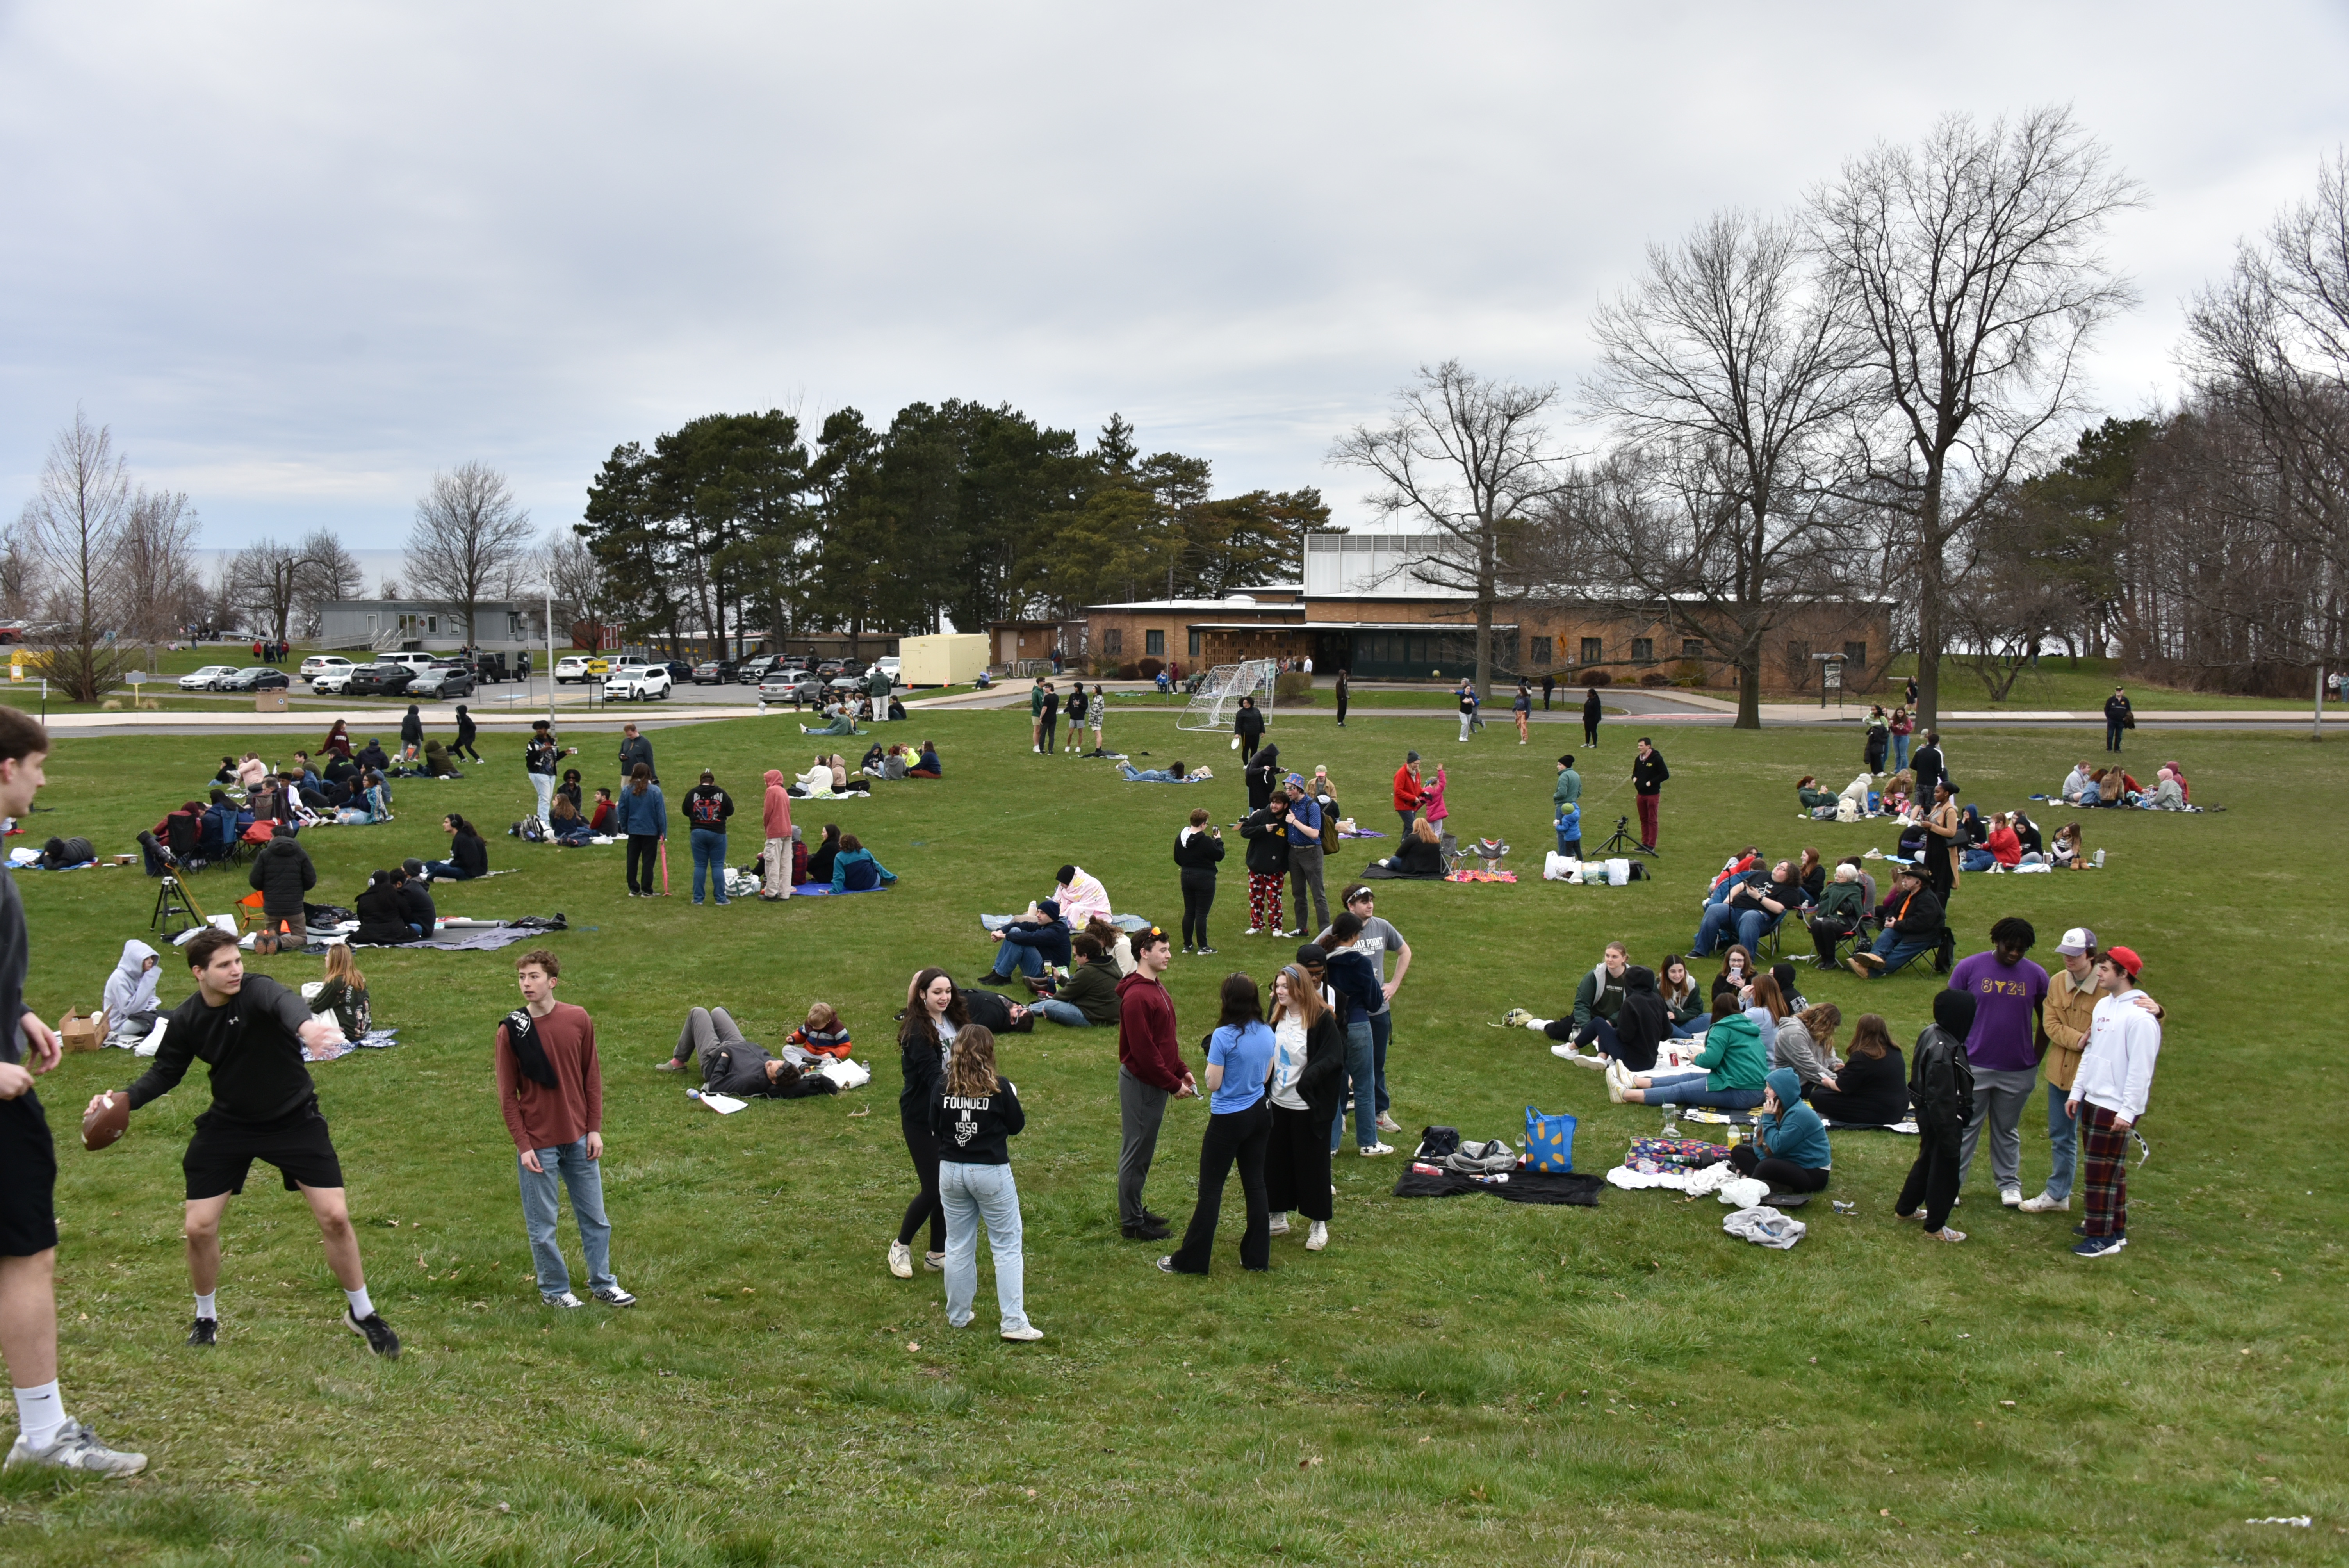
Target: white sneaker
x: 935, y: 1262
x: 1619, y: 1078
x: 1563, y: 1052
x: 1388, y: 1123
x: 76, y: 1447
x: 901, y: 1260
x: 2011, y: 1196
x: 1024, y: 1335
x: 1279, y: 1226
x: 2044, y: 1204
x: 562, y: 1298
x: 1318, y: 1237
x: 1251, y: 931
x: 1373, y: 1150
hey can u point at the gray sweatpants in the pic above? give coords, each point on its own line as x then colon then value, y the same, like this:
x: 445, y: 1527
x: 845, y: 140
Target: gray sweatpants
x: 706, y: 1029
x: 1999, y: 1099
x: 1141, y: 1107
x: 1305, y: 871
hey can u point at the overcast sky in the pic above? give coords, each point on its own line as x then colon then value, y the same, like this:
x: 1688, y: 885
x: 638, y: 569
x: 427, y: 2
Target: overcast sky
x: 299, y: 256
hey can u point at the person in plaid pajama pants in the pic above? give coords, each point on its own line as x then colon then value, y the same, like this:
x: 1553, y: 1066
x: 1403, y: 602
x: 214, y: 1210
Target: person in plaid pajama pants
x: 2109, y: 1096
x: 1266, y: 832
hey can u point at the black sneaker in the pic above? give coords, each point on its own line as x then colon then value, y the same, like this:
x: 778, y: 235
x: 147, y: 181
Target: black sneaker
x: 205, y: 1332
x: 1153, y: 1217
x: 1146, y: 1231
x: 375, y: 1331
x: 1205, y: 951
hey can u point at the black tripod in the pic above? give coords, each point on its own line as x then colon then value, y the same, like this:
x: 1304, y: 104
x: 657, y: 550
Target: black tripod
x: 1620, y: 841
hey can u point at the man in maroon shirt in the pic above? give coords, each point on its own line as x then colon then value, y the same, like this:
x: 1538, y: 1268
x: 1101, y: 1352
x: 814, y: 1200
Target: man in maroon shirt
x: 1149, y: 1071
x: 552, y: 1091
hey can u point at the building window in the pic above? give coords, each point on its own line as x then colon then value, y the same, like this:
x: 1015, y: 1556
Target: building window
x: 1691, y: 647
x: 1154, y: 644
x: 1856, y: 654
x: 432, y: 625
x: 1541, y: 652
x: 1592, y: 653
x: 1643, y: 650
x: 1114, y: 641
x: 513, y: 626
x: 1194, y: 644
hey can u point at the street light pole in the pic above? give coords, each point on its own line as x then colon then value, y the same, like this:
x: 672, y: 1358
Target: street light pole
x: 550, y: 655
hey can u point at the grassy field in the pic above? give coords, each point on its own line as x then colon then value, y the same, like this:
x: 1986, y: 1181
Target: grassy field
x: 1450, y: 1380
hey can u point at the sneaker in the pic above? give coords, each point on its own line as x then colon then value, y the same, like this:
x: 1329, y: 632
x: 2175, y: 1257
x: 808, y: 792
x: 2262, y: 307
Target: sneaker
x: 1318, y: 1237
x: 205, y: 1332
x: 613, y: 1295
x: 1619, y: 1081
x: 1153, y: 1217
x: 1564, y: 1052
x: 1204, y: 952
x: 2081, y: 1229
x: 1251, y: 931
x: 1188, y: 950
x: 1373, y: 1150
x: 901, y: 1260
x: 1593, y: 1060
x: 1947, y: 1234
x: 1027, y: 1336
x: 2044, y: 1204
x: 1148, y: 1231
x: 671, y: 1066
x: 375, y: 1331
x: 1388, y: 1123
x: 2011, y: 1196
x: 1280, y: 1227
x: 76, y: 1447
x: 2099, y: 1246
x: 935, y: 1262
x: 562, y: 1298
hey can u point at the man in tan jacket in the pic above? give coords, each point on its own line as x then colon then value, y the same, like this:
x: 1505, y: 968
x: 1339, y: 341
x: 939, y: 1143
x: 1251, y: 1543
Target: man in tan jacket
x: 2066, y: 1015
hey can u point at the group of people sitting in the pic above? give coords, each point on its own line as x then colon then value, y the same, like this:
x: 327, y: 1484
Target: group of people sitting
x: 395, y: 907
x: 1748, y: 900
x: 2086, y: 786
x: 898, y: 760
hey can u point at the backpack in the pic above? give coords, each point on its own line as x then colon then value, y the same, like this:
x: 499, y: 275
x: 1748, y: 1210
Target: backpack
x: 529, y: 831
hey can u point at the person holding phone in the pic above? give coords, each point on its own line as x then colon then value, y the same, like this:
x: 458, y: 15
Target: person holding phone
x: 1198, y: 849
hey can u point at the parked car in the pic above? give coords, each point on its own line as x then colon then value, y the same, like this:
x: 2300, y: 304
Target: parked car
x: 381, y: 680
x: 829, y: 668
x: 895, y: 666
x: 334, y: 680
x: 679, y: 671
x: 638, y: 683
x: 414, y: 661
x: 581, y: 667
x: 853, y: 666
x: 207, y: 678
x: 751, y: 671
x: 256, y: 677
x: 785, y: 686
x: 716, y: 672
x: 442, y: 681
x: 312, y: 665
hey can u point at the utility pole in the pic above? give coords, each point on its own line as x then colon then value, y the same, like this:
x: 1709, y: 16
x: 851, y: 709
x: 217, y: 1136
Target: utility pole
x: 550, y: 655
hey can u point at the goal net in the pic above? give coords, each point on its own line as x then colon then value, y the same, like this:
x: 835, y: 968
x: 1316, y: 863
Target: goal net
x: 1219, y: 697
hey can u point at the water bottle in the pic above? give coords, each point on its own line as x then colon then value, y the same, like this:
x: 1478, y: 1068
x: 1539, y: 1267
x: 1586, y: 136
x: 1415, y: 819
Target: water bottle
x: 2100, y: 859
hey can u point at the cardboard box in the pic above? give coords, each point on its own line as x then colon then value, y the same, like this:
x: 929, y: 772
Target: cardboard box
x: 270, y: 702
x: 80, y: 1034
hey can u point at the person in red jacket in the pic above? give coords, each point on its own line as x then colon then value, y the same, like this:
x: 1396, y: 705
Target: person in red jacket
x: 1150, y: 1071
x: 1407, y: 791
x: 551, y: 1088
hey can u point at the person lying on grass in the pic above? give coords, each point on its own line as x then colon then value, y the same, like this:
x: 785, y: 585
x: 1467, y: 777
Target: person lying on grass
x: 1176, y: 774
x: 733, y: 1066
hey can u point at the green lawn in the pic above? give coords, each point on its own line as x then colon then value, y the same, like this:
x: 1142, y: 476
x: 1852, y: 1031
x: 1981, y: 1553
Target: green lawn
x: 2081, y: 686
x: 1452, y: 1380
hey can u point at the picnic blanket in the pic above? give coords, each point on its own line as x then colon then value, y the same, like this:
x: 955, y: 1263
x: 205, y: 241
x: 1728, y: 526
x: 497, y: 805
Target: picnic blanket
x: 1375, y: 871
x: 1521, y: 1186
x: 470, y: 936
x: 1468, y: 875
x: 1126, y: 923
x: 1358, y: 833
x: 824, y: 889
x: 1693, y: 1181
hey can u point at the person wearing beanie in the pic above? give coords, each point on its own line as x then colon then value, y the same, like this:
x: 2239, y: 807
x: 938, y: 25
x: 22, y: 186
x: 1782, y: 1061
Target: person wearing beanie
x: 2108, y: 1097
x: 1941, y: 1090
x: 1035, y: 941
x: 1408, y: 790
x: 1789, y: 1151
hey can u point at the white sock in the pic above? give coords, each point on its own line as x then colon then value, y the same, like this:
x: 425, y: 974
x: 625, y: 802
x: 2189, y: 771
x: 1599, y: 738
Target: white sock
x: 39, y: 1413
x: 361, y: 1308
x: 205, y: 1308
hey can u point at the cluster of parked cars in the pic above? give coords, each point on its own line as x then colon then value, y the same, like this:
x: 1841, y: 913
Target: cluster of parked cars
x: 229, y: 677
x: 625, y: 678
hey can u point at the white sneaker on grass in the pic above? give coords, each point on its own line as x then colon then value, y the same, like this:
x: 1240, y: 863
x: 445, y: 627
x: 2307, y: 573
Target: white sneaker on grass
x: 1279, y: 1226
x: 1318, y: 1237
x: 2044, y: 1204
x: 1388, y: 1123
x: 2011, y: 1196
x: 74, y: 1446
x: 901, y: 1260
x: 1373, y: 1150
x: 1023, y: 1335
x: 562, y: 1298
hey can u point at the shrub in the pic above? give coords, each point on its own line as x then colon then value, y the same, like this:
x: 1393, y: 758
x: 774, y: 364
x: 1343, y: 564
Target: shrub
x: 1689, y: 672
x: 1655, y: 678
x: 1128, y: 673
x: 1294, y: 686
x: 1597, y: 678
x: 1149, y: 667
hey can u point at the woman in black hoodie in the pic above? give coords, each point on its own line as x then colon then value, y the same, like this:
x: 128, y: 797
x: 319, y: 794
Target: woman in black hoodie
x: 1262, y: 774
x: 934, y: 1014
x: 411, y: 734
x: 1941, y: 1088
x: 820, y: 859
x: 1197, y: 848
x: 469, y: 857
x: 382, y: 920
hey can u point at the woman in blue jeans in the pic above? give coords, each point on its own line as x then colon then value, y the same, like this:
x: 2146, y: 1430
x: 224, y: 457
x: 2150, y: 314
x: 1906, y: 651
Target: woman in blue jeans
x: 1736, y: 1069
x: 707, y: 807
x: 974, y: 1116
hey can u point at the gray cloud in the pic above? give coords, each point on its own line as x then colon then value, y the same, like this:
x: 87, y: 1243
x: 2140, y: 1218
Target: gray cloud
x: 300, y: 256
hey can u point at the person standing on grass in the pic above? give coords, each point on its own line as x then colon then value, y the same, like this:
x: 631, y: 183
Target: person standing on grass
x: 1593, y: 710
x: 2108, y: 1097
x: 1149, y: 1072
x: 1096, y: 711
x: 1901, y: 726
x: 1240, y: 1132
x: 1648, y: 775
x: 973, y: 1118
x: 1305, y: 829
x: 1248, y: 725
x: 1343, y: 696
x: 1077, y: 704
x: 1198, y: 847
x: 45, y: 1435
x: 1465, y: 699
x: 935, y: 1014
x: 1374, y: 941
x: 1308, y: 1088
x: 635, y: 749
x: 1407, y: 791
x: 539, y: 758
x: 1549, y: 684
x: 1929, y: 765
x: 2064, y: 1022
x: 1036, y: 715
x: 1522, y: 705
x: 1049, y: 723
x: 2117, y: 717
x: 1941, y: 1091
x: 643, y: 817
x: 2008, y: 990
x: 1567, y: 794
x: 1353, y: 986
x: 775, y: 818
x: 253, y: 1033
x: 1266, y: 832
x: 551, y: 1088
x: 707, y: 807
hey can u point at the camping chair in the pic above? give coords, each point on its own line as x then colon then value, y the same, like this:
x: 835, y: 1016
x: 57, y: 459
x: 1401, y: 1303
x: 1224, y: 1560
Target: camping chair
x: 248, y: 913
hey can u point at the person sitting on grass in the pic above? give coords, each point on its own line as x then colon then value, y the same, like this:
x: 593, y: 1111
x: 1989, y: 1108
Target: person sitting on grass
x: 1421, y: 854
x: 732, y: 1065
x: 1087, y: 997
x: 2066, y: 851
x: 926, y: 766
x: 345, y: 994
x: 855, y: 870
x: 2168, y: 795
x: 1807, y: 791
x: 1737, y: 972
x: 469, y: 857
x: 821, y: 858
x: 823, y: 1035
x: 1734, y: 1067
x: 1682, y: 999
x: 600, y: 822
x: 1116, y: 944
x: 416, y: 906
x: 1870, y: 1088
x: 1789, y: 1152
x: 841, y: 722
x: 2079, y: 785
x: 570, y: 829
x: 1806, y: 1042
x: 1597, y: 997
x: 1913, y: 930
x: 1034, y: 942
x: 382, y: 924
x: 437, y: 762
x: 129, y: 999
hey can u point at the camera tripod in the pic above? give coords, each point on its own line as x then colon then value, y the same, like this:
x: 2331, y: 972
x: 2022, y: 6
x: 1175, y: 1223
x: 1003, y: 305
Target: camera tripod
x: 1621, y: 842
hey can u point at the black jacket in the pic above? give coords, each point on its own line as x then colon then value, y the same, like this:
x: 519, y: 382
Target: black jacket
x: 416, y: 905
x: 1418, y: 857
x: 708, y: 807
x: 1198, y: 855
x: 1940, y: 1084
x: 466, y: 728
x: 1248, y: 721
x: 1268, y: 850
x: 381, y: 919
x: 1870, y: 1089
x: 1263, y: 770
x: 1917, y: 917
x: 1642, y: 1022
x: 632, y: 752
x: 468, y: 854
x: 975, y: 1129
x: 282, y: 873
x: 1322, y: 1084
x: 1926, y: 762
x: 254, y: 1052
x: 1593, y: 710
x: 1649, y: 773
x: 412, y: 727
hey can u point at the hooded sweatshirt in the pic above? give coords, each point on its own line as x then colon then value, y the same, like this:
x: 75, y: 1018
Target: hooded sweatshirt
x: 127, y: 989
x: 1733, y: 1057
x: 1601, y: 995
x: 777, y: 813
x: 1642, y: 1021
x: 1795, y: 1133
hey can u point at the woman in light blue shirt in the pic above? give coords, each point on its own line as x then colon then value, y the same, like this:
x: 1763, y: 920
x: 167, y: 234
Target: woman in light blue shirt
x: 1240, y: 1130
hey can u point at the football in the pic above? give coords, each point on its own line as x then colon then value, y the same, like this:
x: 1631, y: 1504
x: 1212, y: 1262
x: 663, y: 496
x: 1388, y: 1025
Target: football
x: 107, y: 1121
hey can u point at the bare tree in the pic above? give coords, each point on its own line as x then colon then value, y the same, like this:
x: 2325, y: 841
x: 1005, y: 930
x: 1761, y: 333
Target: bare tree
x: 1729, y: 368
x: 329, y: 573
x: 469, y: 534
x: 1469, y: 459
x: 73, y: 526
x: 19, y: 572
x: 161, y: 589
x: 266, y: 580
x: 1973, y: 262
x: 572, y: 571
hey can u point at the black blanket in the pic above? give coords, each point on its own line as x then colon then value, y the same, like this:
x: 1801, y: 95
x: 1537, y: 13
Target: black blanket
x: 1375, y: 871
x: 1522, y: 1187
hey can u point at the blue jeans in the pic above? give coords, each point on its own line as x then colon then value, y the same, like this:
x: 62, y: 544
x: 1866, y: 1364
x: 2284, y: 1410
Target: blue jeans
x: 445, y: 870
x: 972, y: 1195
x: 1900, y: 753
x: 1693, y: 1027
x: 1146, y: 774
x: 2112, y: 736
x: 2062, y: 1142
x: 1977, y: 861
x: 1382, y: 1031
x: 1897, y: 950
x: 1059, y: 1012
x: 1749, y: 927
x: 1015, y: 956
x: 708, y: 855
x: 1688, y: 1088
x: 542, y: 1206
x: 1361, y: 1069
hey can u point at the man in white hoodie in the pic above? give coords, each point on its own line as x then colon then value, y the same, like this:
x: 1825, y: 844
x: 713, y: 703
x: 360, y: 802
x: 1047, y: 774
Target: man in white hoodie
x: 2109, y: 1096
x: 130, y: 1004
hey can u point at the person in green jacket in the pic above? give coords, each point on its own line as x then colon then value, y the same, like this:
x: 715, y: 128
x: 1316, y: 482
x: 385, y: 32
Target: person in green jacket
x: 1807, y: 790
x: 1842, y: 904
x: 1569, y: 786
x: 1735, y: 1062
x: 1087, y: 997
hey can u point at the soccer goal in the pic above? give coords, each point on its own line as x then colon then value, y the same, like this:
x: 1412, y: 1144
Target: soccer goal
x: 1219, y: 695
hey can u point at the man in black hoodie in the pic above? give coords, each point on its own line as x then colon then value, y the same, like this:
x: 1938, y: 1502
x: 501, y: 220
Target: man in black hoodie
x: 1941, y: 1089
x: 282, y: 873
x: 251, y: 1032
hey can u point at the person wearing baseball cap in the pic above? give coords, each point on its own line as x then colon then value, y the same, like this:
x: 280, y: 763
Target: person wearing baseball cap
x: 2109, y: 1094
x: 2070, y: 1007
x: 1407, y: 791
